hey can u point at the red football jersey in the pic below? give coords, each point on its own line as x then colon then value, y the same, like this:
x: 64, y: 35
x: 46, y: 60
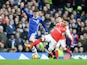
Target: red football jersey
x: 57, y: 32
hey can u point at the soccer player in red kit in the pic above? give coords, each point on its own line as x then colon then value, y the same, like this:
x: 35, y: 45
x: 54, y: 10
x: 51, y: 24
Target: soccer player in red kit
x: 62, y: 41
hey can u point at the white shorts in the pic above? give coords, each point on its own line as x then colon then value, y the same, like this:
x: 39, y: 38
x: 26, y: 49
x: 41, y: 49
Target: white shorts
x: 33, y: 37
x: 62, y: 43
x: 52, y: 42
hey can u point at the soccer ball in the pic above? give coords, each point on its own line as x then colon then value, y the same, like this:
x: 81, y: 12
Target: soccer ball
x: 35, y: 56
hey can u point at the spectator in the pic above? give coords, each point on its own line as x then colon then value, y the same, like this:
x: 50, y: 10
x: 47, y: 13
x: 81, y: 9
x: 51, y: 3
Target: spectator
x: 75, y: 37
x: 20, y: 48
x: 2, y: 49
x: 11, y: 41
x: 3, y: 36
x: 24, y: 34
x: 10, y: 29
x: 24, y: 22
x: 27, y: 50
x: 79, y: 48
x: 16, y: 22
x: 72, y: 43
x: 20, y: 27
x: 18, y: 40
x: 83, y: 40
x: 12, y: 50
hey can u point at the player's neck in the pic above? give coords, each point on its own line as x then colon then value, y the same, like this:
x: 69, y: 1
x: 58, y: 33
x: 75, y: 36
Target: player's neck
x: 36, y: 17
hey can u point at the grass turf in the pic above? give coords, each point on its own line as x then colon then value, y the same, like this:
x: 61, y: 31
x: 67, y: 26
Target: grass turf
x: 43, y: 62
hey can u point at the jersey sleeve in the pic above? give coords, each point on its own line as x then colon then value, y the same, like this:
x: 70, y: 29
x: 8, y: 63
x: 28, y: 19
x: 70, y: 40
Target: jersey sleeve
x: 44, y: 25
x: 27, y: 13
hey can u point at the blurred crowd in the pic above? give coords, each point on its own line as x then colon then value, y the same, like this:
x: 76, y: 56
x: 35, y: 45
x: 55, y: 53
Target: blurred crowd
x: 14, y: 24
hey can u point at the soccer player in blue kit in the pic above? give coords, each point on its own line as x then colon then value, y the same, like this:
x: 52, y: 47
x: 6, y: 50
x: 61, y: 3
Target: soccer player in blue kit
x: 34, y: 20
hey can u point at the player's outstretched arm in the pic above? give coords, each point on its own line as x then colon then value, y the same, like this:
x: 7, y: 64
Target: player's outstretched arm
x: 27, y: 13
x: 24, y: 10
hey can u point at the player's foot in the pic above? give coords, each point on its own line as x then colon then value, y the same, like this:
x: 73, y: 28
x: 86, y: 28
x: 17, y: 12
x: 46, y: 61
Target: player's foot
x: 28, y: 45
x: 51, y: 55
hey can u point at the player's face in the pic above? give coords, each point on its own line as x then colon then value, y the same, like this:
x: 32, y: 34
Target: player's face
x: 36, y: 14
x: 66, y: 23
x: 59, y: 19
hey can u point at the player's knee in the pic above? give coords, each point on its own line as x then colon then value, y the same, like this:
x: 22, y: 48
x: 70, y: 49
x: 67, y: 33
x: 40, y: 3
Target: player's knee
x: 32, y: 38
x: 57, y: 47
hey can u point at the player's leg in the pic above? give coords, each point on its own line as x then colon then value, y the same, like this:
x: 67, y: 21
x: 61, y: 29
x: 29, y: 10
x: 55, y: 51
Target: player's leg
x: 68, y: 51
x: 44, y: 38
x: 35, y: 42
x: 52, y: 45
x: 56, y: 50
x: 63, y: 44
x: 34, y: 50
x: 32, y: 39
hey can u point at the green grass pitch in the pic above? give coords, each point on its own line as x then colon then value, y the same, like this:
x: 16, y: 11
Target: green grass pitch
x: 43, y: 62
